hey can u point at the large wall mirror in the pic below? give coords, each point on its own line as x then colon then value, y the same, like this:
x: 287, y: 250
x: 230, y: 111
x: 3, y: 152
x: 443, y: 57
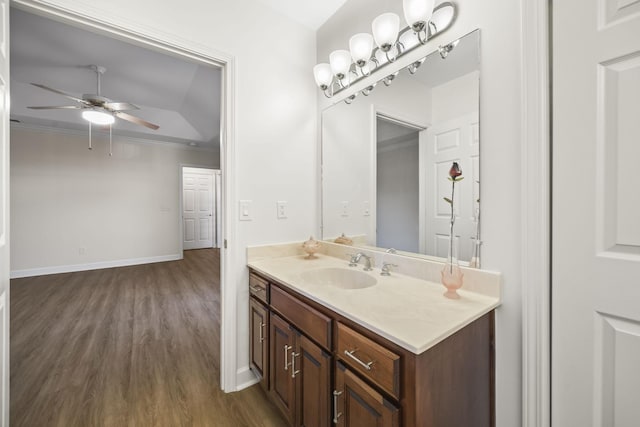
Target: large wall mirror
x: 386, y: 158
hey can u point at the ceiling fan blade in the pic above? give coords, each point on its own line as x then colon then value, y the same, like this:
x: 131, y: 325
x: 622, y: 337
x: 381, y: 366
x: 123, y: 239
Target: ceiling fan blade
x: 120, y: 106
x: 58, y: 107
x: 136, y: 120
x: 82, y: 101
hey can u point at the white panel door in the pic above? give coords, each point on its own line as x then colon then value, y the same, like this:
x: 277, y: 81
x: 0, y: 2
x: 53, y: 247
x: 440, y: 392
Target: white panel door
x: 455, y: 140
x: 596, y: 213
x: 4, y: 212
x: 198, y: 195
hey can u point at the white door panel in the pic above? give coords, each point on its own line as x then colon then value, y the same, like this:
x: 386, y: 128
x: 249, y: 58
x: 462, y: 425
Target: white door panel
x: 198, y: 210
x: 596, y: 213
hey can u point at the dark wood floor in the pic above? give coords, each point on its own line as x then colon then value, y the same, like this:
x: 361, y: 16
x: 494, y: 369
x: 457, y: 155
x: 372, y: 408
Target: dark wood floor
x: 130, y: 346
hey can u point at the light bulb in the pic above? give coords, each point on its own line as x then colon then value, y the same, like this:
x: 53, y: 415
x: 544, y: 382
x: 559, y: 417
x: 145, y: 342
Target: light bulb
x: 98, y: 117
x: 340, y: 61
x: 385, y: 30
x: 417, y: 13
x: 360, y: 46
x: 323, y: 75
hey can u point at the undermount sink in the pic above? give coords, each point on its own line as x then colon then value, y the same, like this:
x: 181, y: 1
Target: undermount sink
x: 342, y: 278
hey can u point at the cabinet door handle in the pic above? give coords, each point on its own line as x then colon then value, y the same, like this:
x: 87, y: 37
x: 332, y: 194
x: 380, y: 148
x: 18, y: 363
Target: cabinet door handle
x: 262, y: 325
x: 366, y: 366
x: 257, y: 289
x: 293, y: 364
x: 336, y: 414
x: 286, y: 356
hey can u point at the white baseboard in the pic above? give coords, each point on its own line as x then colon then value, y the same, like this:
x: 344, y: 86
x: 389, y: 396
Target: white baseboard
x: 17, y: 274
x: 245, y: 378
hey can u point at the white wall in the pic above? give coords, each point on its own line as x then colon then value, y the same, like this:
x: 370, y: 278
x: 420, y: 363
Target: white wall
x: 275, y: 113
x: 455, y: 98
x: 500, y: 117
x: 72, y: 207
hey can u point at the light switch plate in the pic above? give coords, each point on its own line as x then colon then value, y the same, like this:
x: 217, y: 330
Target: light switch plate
x: 282, y: 209
x: 344, y: 208
x: 244, y: 210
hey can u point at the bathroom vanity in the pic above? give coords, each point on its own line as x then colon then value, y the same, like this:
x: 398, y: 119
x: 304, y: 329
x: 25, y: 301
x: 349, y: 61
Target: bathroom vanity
x: 329, y: 347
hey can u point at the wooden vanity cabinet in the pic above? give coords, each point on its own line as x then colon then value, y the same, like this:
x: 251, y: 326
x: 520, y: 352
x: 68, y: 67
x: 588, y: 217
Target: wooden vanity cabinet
x: 359, y: 405
x: 259, y: 328
x: 259, y: 340
x: 300, y: 376
x: 282, y: 384
x: 313, y: 384
x: 322, y: 366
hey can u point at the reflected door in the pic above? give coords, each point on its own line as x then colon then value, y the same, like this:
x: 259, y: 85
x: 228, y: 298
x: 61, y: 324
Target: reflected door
x: 455, y: 140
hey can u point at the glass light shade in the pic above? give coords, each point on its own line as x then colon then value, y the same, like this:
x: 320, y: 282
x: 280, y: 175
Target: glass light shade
x: 385, y: 30
x: 340, y: 61
x: 323, y: 75
x: 360, y: 46
x: 98, y: 117
x: 417, y: 11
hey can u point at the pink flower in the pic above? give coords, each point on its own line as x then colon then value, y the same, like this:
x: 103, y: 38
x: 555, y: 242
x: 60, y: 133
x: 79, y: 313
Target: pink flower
x: 455, y: 171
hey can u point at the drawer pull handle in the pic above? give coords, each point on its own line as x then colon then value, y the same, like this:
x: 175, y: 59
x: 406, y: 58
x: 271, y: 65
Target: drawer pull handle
x: 336, y: 414
x: 366, y: 366
x: 257, y: 289
x: 262, y: 325
x: 286, y: 357
x: 293, y: 364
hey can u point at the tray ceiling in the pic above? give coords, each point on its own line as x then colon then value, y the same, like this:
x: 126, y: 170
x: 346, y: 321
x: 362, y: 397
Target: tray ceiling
x: 181, y: 96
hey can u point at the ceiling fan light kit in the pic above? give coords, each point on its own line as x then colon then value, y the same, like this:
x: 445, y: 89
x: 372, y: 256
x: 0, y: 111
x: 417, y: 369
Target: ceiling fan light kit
x: 98, y: 117
x: 97, y: 109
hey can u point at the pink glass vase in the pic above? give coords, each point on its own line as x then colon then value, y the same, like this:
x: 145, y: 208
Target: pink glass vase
x: 451, y: 273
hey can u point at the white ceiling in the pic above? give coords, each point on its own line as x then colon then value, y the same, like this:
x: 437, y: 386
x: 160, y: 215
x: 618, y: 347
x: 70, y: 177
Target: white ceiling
x: 180, y: 96
x: 311, y: 13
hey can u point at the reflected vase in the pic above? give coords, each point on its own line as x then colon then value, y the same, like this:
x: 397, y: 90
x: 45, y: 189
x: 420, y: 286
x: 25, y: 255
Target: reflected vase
x: 451, y: 272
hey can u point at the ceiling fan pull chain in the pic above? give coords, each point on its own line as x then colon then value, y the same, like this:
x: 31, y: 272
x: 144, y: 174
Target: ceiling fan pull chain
x: 90, y: 136
x: 110, y: 142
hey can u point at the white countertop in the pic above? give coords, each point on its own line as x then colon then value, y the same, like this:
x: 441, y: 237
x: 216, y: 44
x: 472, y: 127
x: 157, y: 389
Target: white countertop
x: 410, y: 312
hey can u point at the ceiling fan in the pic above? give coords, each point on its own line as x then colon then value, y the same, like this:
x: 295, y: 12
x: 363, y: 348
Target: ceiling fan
x: 97, y: 109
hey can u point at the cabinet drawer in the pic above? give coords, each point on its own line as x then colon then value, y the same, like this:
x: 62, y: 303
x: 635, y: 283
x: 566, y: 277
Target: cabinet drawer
x: 259, y: 288
x: 369, y: 358
x: 314, y: 324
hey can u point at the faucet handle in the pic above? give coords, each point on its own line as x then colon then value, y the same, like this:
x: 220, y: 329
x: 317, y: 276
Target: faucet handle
x: 353, y: 261
x: 386, y: 268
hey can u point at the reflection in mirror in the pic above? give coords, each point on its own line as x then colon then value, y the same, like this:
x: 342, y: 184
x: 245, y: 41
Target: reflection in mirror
x: 386, y: 157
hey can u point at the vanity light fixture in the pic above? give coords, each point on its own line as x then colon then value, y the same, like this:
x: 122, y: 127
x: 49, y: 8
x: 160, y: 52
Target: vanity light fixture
x: 360, y: 47
x: 361, y: 60
x: 417, y: 13
x: 444, y: 50
x: 340, y: 61
x: 385, y: 32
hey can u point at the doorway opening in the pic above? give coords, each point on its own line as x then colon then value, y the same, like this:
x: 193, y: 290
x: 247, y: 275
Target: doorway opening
x: 214, y: 59
x: 397, y: 184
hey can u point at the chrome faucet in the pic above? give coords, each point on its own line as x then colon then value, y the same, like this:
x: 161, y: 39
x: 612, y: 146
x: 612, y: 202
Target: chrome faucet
x: 386, y: 268
x: 355, y: 259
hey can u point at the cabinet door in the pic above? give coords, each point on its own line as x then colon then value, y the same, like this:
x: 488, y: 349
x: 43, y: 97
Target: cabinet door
x: 259, y: 344
x: 313, y: 384
x: 282, y: 386
x: 359, y: 405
